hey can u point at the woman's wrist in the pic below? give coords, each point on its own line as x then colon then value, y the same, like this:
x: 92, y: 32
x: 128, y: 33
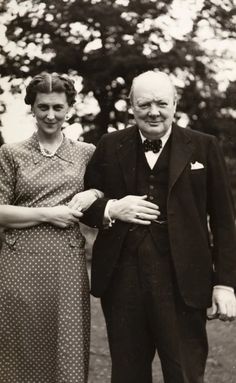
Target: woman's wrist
x: 45, y: 214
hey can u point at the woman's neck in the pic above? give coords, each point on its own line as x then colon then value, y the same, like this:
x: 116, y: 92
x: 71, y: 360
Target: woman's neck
x: 50, y: 142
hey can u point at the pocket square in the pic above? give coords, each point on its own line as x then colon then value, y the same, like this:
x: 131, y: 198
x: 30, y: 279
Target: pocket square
x: 196, y: 165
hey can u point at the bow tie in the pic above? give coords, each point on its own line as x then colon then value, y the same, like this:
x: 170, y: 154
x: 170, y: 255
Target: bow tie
x: 154, y: 145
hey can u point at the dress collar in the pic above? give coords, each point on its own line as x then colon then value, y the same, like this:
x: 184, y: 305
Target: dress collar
x: 64, y: 151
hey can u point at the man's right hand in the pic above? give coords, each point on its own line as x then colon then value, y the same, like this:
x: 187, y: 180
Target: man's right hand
x: 135, y: 209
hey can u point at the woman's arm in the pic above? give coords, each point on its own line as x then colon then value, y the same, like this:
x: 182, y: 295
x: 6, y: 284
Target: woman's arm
x: 20, y: 217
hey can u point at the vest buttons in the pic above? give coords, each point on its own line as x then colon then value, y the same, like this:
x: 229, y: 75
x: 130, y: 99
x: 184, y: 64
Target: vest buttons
x: 151, y: 187
x: 151, y: 197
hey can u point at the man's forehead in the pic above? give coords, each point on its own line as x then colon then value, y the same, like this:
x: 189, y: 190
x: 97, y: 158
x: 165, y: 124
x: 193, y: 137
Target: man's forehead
x: 145, y: 92
x: 152, y: 84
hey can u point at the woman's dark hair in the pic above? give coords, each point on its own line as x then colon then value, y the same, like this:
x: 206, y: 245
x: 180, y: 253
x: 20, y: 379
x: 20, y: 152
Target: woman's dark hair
x: 50, y: 82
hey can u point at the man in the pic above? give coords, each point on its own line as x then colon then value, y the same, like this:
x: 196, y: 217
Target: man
x: 153, y: 265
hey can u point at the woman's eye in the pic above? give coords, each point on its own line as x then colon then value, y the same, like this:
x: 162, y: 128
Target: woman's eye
x: 43, y: 108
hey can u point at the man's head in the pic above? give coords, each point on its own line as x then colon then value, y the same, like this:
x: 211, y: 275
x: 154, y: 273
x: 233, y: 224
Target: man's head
x: 153, y: 100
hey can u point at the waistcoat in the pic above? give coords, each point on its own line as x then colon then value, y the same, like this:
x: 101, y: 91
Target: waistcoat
x: 153, y: 183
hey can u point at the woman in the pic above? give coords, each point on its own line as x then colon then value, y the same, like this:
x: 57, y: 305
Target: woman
x: 44, y: 293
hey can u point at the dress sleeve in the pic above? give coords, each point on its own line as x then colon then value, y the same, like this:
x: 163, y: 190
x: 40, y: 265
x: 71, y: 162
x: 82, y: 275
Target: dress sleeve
x: 90, y: 150
x: 7, y: 176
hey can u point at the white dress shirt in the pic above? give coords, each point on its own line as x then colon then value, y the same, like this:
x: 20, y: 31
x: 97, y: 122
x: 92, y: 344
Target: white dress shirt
x: 151, y: 156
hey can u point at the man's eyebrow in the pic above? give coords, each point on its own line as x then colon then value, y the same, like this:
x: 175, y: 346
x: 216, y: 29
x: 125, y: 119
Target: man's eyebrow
x: 143, y: 99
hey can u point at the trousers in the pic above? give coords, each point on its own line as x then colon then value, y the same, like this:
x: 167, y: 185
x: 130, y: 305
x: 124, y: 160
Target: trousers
x: 145, y: 314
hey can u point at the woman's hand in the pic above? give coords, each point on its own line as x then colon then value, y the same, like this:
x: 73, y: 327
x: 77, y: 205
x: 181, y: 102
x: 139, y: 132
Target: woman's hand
x: 19, y: 217
x: 63, y: 216
x: 83, y: 200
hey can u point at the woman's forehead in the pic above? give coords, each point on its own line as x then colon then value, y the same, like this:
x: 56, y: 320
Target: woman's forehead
x: 51, y: 98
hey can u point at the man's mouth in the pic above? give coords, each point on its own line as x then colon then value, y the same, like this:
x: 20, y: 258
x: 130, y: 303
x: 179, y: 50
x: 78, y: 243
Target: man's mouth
x: 154, y: 122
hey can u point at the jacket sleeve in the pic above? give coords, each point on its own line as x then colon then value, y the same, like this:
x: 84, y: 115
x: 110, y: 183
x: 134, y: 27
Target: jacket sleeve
x: 221, y: 218
x: 94, y: 178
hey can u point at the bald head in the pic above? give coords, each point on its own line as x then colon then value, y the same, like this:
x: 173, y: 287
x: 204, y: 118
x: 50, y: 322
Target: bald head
x: 152, y: 80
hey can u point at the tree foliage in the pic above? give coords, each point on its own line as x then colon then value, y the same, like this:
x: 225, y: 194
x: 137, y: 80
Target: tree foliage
x: 108, y: 42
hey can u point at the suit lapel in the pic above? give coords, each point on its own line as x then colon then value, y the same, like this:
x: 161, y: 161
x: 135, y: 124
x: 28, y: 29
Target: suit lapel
x: 180, y: 155
x: 127, y: 155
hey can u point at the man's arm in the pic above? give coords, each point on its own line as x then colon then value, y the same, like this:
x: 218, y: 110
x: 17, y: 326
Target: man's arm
x: 131, y: 208
x: 222, y: 224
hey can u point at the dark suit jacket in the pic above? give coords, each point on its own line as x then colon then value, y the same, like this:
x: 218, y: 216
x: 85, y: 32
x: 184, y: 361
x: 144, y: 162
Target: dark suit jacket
x: 196, y: 192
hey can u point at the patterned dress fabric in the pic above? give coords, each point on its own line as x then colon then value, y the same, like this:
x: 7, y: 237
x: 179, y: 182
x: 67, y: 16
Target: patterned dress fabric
x: 44, y: 288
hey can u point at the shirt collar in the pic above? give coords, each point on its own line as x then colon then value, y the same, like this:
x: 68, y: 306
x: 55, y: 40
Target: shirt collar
x: 163, y: 138
x: 64, y: 151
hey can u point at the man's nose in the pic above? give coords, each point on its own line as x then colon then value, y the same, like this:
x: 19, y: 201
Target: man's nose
x: 154, y: 110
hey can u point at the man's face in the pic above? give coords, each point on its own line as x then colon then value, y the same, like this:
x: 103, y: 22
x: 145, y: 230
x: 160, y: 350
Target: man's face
x: 153, y: 105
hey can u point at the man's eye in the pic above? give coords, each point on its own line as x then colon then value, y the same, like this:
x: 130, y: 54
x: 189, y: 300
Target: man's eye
x: 143, y: 106
x: 43, y: 107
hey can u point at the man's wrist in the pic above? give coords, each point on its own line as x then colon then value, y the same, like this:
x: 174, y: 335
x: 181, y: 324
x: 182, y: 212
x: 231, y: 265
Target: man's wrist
x: 108, y: 218
x: 223, y: 287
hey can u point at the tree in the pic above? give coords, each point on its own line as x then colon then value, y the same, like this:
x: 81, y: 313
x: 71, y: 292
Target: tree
x: 108, y: 42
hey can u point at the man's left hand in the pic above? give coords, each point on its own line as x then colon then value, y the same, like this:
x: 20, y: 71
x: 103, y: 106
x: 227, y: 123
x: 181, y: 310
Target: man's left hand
x: 83, y: 200
x: 223, y: 304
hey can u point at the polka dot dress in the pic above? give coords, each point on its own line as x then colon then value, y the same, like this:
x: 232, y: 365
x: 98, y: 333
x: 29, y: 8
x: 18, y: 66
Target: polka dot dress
x: 44, y: 290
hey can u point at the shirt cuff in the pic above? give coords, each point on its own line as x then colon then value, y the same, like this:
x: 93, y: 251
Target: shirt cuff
x: 107, y: 220
x: 222, y: 287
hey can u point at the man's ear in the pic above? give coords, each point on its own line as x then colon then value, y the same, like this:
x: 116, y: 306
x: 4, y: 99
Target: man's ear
x: 175, y: 102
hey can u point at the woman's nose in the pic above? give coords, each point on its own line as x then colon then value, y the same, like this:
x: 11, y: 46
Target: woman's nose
x: 51, y: 114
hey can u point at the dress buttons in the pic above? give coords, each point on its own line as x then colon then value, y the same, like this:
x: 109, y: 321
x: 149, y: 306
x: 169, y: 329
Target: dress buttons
x: 151, y: 197
x: 151, y: 187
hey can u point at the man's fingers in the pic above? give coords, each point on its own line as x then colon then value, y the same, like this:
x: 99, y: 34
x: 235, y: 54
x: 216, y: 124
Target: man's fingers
x: 148, y: 204
x: 227, y: 310
x: 147, y: 210
x: 75, y: 203
x: 212, y: 312
x: 146, y: 217
x: 141, y: 201
x: 76, y: 213
x: 142, y: 222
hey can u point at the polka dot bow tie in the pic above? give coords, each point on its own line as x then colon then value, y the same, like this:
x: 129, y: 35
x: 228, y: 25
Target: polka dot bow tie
x: 154, y: 146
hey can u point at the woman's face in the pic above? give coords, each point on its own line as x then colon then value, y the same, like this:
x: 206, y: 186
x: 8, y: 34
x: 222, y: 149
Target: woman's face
x: 50, y: 111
